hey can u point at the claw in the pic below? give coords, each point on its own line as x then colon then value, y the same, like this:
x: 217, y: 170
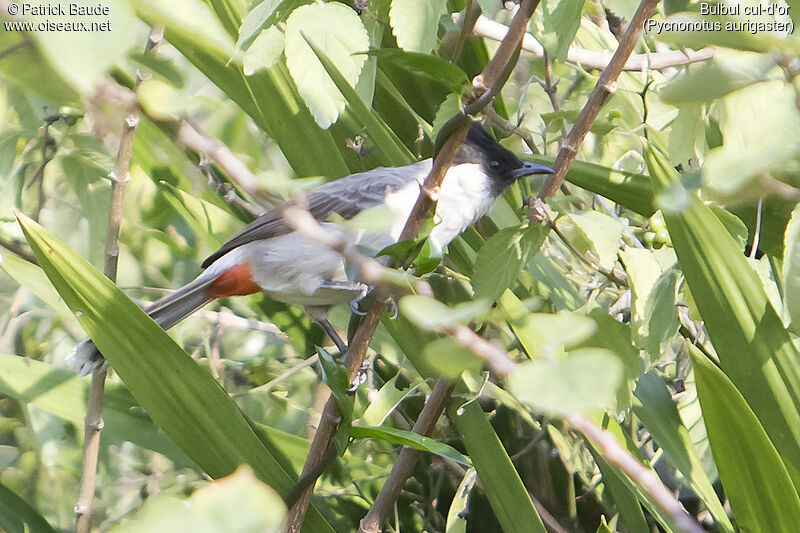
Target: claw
x: 394, y: 308
x: 361, y: 377
x: 355, y: 301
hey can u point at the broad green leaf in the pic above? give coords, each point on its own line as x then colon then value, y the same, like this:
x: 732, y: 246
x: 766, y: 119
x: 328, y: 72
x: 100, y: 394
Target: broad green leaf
x: 162, y: 101
x: 264, y: 52
x: 415, y: 23
x: 687, y: 133
x: 723, y: 74
x: 430, y: 314
x: 393, y: 151
x: 409, y: 438
x: 560, y: 22
x: 758, y: 126
x: 450, y: 359
x: 336, y: 29
x: 502, y: 257
x: 161, y: 67
x: 582, y: 380
x: 654, y: 316
x: 756, y: 481
x: 96, y: 41
x: 502, y: 485
x: 18, y: 516
x: 26, y: 65
x: 238, y: 503
x: 181, y: 397
x: 754, y: 349
x: 61, y: 392
x: 659, y: 414
x: 592, y: 230
x: 264, y: 15
x: 268, y: 96
x: 791, y: 273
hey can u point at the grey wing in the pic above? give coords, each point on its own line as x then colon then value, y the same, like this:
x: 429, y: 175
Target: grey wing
x: 346, y: 197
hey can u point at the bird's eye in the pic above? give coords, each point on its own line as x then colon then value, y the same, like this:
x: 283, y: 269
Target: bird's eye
x: 495, y: 164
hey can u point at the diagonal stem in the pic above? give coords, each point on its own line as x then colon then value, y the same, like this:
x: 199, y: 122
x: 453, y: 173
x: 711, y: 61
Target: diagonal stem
x: 120, y: 175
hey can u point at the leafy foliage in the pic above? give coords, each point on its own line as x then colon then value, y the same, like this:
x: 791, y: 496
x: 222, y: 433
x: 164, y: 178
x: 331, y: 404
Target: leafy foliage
x: 661, y: 303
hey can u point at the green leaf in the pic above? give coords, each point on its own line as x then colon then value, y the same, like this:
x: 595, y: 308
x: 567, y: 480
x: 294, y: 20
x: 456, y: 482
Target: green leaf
x: 17, y: 516
x: 415, y: 23
x: 264, y: 15
x: 713, y: 79
x: 659, y: 414
x: 409, y: 438
x: 264, y: 52
x: 182, y: 398
x: 32, y: 278
x: 756, y: 481
x: 386, y: 401
x: 754, y: 349
x: 82, y: 56
x: 450, y: 359
x: 206, y: 220
x: 336, y: 29
x: 582, y: 380
x: 335, y: 376
x: 431, y: 314
x: 791, y: 272
x: 654, y: 318
x: 560, y: 22
x: 61, y: 392
x: 592, y: 230
x: 502, y: 485
x: 456, y: 517
x: 425, y: 66
x: 237, y: 503
x: 393, y: 151
x: 502, y: 257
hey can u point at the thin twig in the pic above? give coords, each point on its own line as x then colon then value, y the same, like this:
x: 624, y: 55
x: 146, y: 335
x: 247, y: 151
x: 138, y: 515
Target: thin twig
x: 507, y: 126
x: 550, y: 89
x: 606, y: 84
x: 17, y: 249
x: 596, y: 59
x: 14, y: 47
x: 193, y: 137
x: 488, y: 82
x: 406, y: 459
x: 120, y: 176
x: 647, y: 479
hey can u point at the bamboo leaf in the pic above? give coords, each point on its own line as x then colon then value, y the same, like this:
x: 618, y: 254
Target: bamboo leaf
x: 754, y: 349
x: 181, y: 397
x: 756, y: 481
x: 17, y: 516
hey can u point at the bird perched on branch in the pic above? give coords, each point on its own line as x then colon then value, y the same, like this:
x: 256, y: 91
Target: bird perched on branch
x: 269, y: 256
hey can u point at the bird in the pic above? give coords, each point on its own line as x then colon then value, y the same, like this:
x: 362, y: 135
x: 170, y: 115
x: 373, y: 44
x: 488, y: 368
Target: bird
x: 269, y: 256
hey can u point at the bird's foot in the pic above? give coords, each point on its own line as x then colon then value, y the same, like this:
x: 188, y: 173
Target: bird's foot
x: 361, y: 377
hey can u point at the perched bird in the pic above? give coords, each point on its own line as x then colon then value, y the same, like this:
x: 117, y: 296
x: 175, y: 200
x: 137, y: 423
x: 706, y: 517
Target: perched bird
x: 269, y: 256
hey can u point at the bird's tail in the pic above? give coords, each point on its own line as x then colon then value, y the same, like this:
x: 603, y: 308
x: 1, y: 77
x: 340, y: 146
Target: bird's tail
x: 167, y: 312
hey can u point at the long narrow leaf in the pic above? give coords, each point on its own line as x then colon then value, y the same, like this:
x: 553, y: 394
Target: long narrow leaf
x: 755, y: 479
x: 181, y: 397
x: 17, y: 516
x: 755, y: 350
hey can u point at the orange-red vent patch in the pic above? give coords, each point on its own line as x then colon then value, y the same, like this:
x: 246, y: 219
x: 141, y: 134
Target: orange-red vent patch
x: 236, y: 281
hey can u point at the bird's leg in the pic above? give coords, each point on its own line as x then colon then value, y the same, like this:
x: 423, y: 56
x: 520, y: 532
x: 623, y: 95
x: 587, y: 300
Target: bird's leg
x: 354, y: 307
x: 330, y: 331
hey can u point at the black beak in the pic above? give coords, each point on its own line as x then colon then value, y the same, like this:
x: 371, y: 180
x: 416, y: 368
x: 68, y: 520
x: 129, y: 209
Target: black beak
x: 529, y: 168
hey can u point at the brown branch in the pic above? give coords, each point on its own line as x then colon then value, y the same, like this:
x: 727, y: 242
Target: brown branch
x: 596, y: 59
x: 647, y: 479
x: 193, y: 137
x: 606, y: 84
x: 120, y: 176
x: 406, y: 459
x: 491, y: 79
x: 17, y: 249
